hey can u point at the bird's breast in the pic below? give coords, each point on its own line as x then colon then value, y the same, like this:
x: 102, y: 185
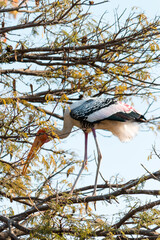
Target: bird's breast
x: 84, y: 125
x: 87, y: 126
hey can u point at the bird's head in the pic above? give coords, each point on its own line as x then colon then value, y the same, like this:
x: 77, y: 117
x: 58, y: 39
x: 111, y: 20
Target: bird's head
x: 42, y: 137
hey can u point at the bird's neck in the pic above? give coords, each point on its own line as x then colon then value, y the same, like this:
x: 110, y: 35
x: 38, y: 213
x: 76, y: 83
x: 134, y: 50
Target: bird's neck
x: 67, y: 127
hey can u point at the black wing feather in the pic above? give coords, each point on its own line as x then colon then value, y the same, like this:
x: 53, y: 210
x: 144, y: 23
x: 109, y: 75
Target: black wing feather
x: 122, y: 117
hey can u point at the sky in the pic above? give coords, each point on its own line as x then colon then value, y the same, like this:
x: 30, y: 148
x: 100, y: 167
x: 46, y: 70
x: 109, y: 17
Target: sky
x: 150, y: 8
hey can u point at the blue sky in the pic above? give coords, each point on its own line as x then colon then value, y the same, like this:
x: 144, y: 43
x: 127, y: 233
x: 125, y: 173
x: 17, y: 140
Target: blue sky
x: 150, y: 8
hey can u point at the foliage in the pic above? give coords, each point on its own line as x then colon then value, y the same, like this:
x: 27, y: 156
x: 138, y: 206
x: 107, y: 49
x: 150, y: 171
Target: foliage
x: 53, y: 53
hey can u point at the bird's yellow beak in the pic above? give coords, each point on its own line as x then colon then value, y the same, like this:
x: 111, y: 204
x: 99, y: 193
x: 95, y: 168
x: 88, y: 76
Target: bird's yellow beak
x: 40, y: 139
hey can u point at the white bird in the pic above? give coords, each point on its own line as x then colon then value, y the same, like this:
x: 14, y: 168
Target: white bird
x: 91, y: 114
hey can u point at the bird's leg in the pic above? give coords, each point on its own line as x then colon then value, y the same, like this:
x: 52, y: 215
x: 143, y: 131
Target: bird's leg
x: 99, y: 160
x: 84, y: 162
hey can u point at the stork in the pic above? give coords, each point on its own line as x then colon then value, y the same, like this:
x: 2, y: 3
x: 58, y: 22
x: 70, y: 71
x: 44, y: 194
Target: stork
x: 91, y: 114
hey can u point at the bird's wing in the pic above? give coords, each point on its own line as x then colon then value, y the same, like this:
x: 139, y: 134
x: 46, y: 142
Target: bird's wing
x: 89, y: 107
x: 116, y: 111
x: 96, y: 110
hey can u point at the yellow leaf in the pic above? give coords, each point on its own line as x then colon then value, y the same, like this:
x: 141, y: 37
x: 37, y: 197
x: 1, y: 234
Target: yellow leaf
x: 52, y: 67
x: 52, y: 161
x: 152, y: 47
x: 14, y: 13
x: 63, y: 161
x: 70, y: 170
x: 89, y: 92
x: 158, y: 127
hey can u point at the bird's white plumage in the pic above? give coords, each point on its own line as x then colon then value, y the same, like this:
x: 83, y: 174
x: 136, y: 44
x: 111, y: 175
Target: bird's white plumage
x: 125, y: 131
